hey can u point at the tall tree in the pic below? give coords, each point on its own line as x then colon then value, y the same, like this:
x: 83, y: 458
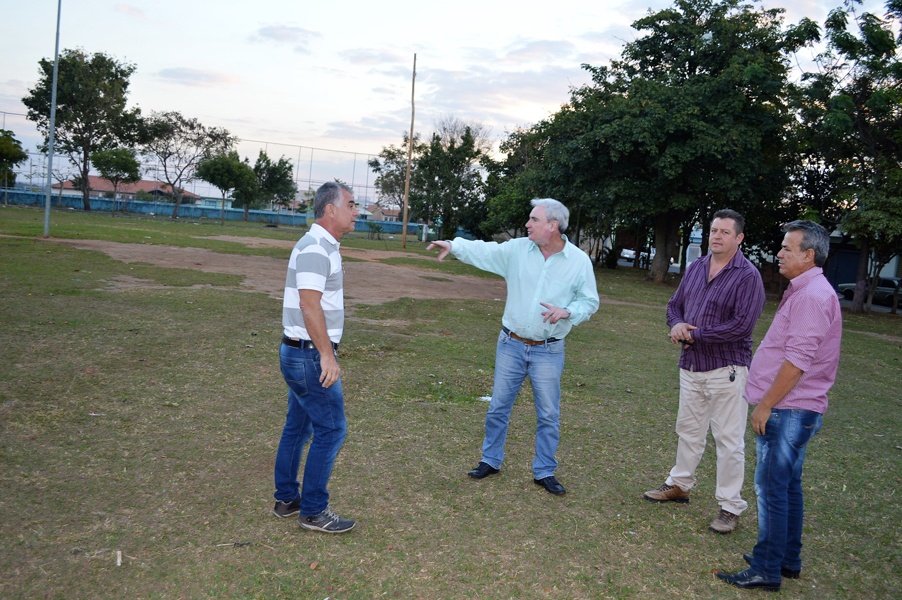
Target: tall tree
x: 276, y: 180
x: 11, y: 154
x: 852, y: 105
x: 447, y: 182
x: 118, y: 166
x: 692, y: 116
x: 179, y: 143
x: 273, y: 182
x: 91, y: 113
x: 226, y: 172
x: 452, y: 128
x: 390, y: 167
x: 512, y: 182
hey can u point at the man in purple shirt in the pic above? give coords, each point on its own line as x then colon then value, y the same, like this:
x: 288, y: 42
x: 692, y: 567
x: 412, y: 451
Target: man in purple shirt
x: 793, y: 369
x: 712, y: 314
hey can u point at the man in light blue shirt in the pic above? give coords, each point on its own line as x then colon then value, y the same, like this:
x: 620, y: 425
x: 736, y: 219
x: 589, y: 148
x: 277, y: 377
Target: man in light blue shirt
x: 550, y: 288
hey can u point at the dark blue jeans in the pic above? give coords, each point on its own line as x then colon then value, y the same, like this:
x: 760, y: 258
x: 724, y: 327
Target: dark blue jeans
x: 778, y: 484
x: 311, y: 410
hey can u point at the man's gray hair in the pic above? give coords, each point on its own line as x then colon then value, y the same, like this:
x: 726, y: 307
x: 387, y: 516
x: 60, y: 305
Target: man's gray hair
x: 814, y: 237
x: 554, y: 211
x: 328, y: 193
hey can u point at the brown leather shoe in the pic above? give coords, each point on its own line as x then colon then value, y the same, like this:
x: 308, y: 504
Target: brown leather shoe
x: 724, y: 523
x: 667, y: 493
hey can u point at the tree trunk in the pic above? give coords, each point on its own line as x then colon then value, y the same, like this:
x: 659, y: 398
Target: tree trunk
x: 576, y: 232
x: 896, y: 298
x: 861, y: 279
x: 247, y: 207
x: 667, y: 232
x: 706, y: 226
x: 178, y: 201
x: 85, y: 185
x: 684, y: 247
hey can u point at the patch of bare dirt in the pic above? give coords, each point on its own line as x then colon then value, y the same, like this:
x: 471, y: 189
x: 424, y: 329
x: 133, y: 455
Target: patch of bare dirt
x: 366, y: 282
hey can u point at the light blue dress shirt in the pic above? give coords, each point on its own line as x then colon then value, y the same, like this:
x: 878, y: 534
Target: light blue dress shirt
x: 566, y: 279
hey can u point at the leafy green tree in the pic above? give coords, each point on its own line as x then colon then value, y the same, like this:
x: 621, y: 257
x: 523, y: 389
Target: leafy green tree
x: 693, y: 116
x: 273, y: 183
x: 276, y: 180
x: 179, y: 144
x: 226, y: 172
x: 512, y: 182
x: 879, y: 221
x: 91, y: 113
x: 447, y: 182
x: 852, y: 107
x: 11, y: 154
x: 390, y: 167
x: 118, y: 166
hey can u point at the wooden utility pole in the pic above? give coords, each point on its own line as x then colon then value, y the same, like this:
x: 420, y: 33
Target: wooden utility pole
x: 409, y: 157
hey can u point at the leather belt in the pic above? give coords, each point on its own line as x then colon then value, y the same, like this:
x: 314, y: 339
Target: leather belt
x: 526, y: 341
x: 305, y: 344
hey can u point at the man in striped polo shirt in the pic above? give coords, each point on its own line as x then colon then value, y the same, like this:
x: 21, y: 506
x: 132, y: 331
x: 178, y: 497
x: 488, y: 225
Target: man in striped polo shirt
x: 313, y: 318
x: 712, y: 314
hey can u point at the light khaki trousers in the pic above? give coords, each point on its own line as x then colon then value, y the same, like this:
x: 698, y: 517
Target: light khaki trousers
x: 709, y: 399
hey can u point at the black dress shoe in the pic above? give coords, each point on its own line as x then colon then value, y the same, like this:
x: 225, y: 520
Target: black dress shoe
x: 749, y: 580
x: 552, y: 485
x: 784, y: 572
x: 483, y: 470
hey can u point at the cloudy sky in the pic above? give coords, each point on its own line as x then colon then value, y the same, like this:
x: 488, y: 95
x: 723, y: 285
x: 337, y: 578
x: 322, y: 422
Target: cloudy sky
x: 335, y: 74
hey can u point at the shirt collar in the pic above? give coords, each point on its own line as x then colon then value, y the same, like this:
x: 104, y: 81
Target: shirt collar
x: 321, y: 232
x: 565, y: 251
x: 734, y: 262
x: 800, y: 281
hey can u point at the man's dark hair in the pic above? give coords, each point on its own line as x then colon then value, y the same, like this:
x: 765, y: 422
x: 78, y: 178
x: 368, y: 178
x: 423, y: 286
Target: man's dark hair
x: 814, y: 237
x: 726, y: 213
x: 328, y: 193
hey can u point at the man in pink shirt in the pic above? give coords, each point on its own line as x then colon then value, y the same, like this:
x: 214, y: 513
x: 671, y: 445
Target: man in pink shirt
x: 792, y: 370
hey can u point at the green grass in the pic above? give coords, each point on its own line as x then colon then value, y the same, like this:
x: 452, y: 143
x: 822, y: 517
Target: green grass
x: 146, y: 421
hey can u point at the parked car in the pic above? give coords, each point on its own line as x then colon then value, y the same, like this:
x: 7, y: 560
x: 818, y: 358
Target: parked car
x: 627, y: 254
x: 884, y: 294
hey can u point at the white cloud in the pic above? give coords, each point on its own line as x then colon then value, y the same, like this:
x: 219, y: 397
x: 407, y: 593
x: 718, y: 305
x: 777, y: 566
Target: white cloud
x: 286, y: 34
x: 373, y: 56
x: 540, y: 51
x: 196, y: 77
x: 131, y: 10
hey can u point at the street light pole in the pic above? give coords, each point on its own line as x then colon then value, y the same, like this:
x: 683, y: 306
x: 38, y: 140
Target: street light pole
x: 56, y: 64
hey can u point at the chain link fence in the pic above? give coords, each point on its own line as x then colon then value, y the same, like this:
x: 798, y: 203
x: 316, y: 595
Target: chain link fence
x: 312, y: 166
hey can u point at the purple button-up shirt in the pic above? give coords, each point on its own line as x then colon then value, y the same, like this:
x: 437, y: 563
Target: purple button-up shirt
x: 807, y: 331
x: 724, y: 309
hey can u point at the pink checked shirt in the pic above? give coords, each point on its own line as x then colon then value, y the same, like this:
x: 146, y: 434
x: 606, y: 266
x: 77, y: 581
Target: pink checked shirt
x: 807, y: 331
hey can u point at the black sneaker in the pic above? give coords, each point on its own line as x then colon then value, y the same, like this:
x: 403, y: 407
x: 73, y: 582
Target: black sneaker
x: 326, y: 522
x: 283, y: 510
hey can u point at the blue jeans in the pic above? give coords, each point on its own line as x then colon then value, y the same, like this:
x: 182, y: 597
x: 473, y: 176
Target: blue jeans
x: 311, y: 410
x: 544, y: 363
x: 778, y: 484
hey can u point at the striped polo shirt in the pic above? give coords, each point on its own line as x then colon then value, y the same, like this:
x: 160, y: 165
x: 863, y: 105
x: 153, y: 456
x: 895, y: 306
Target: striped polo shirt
x: 315, y: 264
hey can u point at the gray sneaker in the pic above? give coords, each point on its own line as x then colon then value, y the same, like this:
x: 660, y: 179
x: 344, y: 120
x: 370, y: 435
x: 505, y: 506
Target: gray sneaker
x: 283, y: 510
x: 326, y: 522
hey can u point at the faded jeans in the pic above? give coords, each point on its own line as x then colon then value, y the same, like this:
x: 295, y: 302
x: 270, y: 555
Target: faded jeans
x: 514, y: 361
